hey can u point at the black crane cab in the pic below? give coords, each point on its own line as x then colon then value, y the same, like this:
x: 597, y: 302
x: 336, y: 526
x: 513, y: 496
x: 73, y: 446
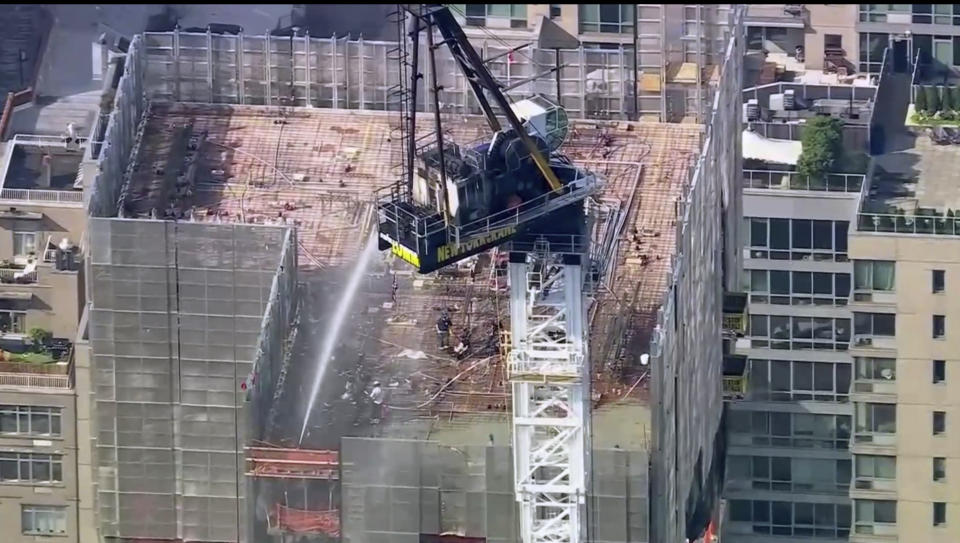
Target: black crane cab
x: 492, y: 191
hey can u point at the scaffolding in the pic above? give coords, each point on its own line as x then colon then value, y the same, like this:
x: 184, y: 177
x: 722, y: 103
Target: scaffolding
x: 182, y: 316
x: 679, y: 50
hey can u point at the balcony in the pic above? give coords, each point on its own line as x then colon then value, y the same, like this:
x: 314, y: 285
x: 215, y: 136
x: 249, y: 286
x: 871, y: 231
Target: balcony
x: 870, y: 342
x: 867, y: 442
x: 869, y: 488
x: 11, y: 274
x: 777, y: 15
x: 869, y: 390
x: 49, y: 376
x: 734, y: 314
x: 788, y: 180
x: 735, y: 377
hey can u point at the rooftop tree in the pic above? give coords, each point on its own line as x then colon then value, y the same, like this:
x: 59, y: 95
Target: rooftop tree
x: 822, y: 146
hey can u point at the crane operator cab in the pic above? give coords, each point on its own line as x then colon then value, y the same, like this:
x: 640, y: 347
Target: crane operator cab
x: 468, y: 198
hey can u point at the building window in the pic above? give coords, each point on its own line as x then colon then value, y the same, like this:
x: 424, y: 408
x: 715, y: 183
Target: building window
x: 876, y: 467
x: 799, y: 333
x: 31, y: 467
x: 832, y: 41
x: 556, y: 11
x: 939, y: 513
x: 798, y: 380
x: 939, y: 422
x: 939, y: 468
x: 493, y: 15
x: 939, y: 280
x: 876, y: 369
x: 608, y: 18
x: 939, y: 326
x: 870, y: 512
x: 939, y: 371
x: 801, y: 430
x: 798, y: 288
x: 798, y: 239
x: 24, y: 243
x: 874, y: 324
x: 797, y: 519
x: 872, y: 45
x: 43, y: 519
x: 29, y: 420
x: 13, y: 322
x: 876, y: 418
x: 873, y: 275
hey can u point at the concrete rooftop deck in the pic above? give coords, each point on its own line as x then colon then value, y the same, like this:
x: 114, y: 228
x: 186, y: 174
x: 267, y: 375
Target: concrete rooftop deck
x: 318, y: 168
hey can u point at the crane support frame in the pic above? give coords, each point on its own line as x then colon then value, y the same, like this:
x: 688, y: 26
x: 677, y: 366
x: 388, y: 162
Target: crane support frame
x: 550, y: 379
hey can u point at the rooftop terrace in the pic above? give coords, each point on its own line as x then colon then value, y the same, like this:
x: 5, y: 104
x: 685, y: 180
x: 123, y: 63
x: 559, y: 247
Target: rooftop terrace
x: 318, y: 168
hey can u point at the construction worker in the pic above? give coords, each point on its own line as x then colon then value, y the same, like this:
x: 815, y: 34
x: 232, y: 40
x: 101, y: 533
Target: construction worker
x: 443, y: 331
x: 376, y: 397
x: 460, y: 351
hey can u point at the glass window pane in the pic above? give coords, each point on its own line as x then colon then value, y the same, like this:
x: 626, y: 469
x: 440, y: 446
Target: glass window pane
x: 802, y: 233
x: 884, y: 324
x: 782, y: 513
x: 842, y: 285
x: 840, y: 231
x: 779, y: 327
x: 779, y: 282
x: 780, y: 468
x: 802, y: 376
x: 740, y: 510
x: 8, y: 420
x: 802, y: 282
x: 885, y: 511
x: 803, y: 513
x: 761, y: 511
x: 758, y: 232
x: 823, y: 283
x: 498, y: 10
x: 758, y: 281
x: 758, y: 325
x: 802, y: 328
x: 780, y: 234
x: 843, y: 378
x: 822, y: 235
x: 40, y: 424
x: 780, y: 424
x: 761, y: 467
x: 823, y: 376
x: 779, y: 375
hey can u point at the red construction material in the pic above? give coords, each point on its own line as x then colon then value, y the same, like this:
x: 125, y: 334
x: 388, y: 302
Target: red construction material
x: 291, y: 520
x: 292, y: 463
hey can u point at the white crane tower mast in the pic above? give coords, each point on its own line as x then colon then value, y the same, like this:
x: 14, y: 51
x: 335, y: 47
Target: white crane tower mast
x: 549, y: 373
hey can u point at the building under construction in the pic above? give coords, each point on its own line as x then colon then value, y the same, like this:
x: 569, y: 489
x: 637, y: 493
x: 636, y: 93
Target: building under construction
x: 234, y: 195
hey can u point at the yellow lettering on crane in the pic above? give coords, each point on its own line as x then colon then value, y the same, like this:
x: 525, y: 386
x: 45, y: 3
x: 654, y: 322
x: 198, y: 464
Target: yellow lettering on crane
x: 451, y: 251
x: 407, y: 255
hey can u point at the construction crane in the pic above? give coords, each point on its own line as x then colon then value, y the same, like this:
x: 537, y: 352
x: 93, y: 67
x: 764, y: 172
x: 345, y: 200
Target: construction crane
x: 518, y: 192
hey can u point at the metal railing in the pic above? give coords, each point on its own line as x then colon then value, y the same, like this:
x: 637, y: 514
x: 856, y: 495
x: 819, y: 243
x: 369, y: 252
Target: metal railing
x: 46, y: 141
x: 583, y: 184
x: 908, y: 224
x: 787, y: 180
x: 34, y: 380
x: 10, y: 276
x: 43, y: 195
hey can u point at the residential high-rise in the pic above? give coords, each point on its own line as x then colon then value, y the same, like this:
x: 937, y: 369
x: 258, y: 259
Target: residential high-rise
x: 788, y: 464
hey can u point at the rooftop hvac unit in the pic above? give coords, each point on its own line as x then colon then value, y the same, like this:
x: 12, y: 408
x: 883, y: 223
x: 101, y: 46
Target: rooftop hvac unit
x: 777, y: 102
x: 751, y: 110
x: 789, y: 100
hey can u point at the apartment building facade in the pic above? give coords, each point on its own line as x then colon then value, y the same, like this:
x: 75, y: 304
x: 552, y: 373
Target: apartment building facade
x: 905, y: 440
x: 856, y: 35
x: 655, y: 61
x: 789, y: 467
x: 42, y: 440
